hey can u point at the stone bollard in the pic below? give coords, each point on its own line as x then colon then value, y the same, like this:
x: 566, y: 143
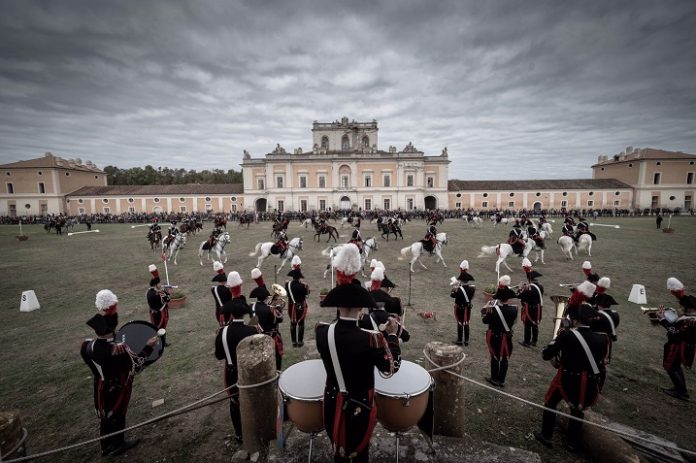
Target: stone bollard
x: 449, y: 390
x: 12, y: 436
x: 256, y: 364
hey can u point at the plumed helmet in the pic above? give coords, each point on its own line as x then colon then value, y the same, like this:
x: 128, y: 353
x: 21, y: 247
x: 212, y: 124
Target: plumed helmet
x: 217, y: 266
x: 152, y: 268
x: 504, y: 281
x: 377, y: 274
x: 604, y: 282
x: 464, y: 265
x: 587, y: 265
x: 674, y: 285
x: 105, y: 299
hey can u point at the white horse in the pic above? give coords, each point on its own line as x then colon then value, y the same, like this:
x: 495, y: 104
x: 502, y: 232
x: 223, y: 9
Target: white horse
x: 307, y: 223
x: 294, y: 245
x: 174, y: 246
x: 567, y: 245
x: 503, y: 251
x: 369, y: 245
x: 535, y: 247
x: 503, y: 221
x: 475, y: 221
x: 218, y: 248
x: 546, y: 226
x: 416, y: 250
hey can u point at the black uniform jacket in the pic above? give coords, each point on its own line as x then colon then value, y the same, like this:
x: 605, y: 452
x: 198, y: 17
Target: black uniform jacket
x: 492, y: 319
x: 157, y: 300
x: 531, y: 296
x: 298, y: 290
x: 236, y: 331
x: 572, y: 355
x: 221, y: 294
x: 602, y: 323
x: 267, y: 317
x: 458, y: 295
x: 376, y: 317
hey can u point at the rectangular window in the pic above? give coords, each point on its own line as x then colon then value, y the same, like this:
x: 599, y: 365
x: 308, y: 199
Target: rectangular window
x: 368, y: 204
x: 322, y: 181
x: 279, y: 182
x: 81, y: 211
x: 260, y: 184
x: 344, y: 181
x: 511, y: 203
x: 409, y: 180
x: 484, y: 204
x: 42, y: 187
x: 303, y: 181
x: 368, y: 181
x: 409, y: 204
x: 617, y: 202
x: 322, y: 204
x: 564, y: 203
x: 387, y: 181
x: 281, y: 205
x: 690, y: 178
x: 687, y: 202
x: 107, y: 210
x: 653, y: 202
x: 430, y: 181
x: 458, y: 205
x: 10, y: 188
x: 131, y: 209
x: 387, y: 204
x: 182, y: 208
x: 303, y: 205
x: 656, y: 178
x: 234, y: 208
x: 590, y: 203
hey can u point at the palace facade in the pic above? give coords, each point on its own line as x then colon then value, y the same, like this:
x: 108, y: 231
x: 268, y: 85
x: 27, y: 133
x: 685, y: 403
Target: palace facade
x: 347, y: 170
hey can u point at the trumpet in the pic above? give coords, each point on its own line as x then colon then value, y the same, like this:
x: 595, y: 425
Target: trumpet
x: 647, y: 310
x: 669, y: 314
x: 277, y: 301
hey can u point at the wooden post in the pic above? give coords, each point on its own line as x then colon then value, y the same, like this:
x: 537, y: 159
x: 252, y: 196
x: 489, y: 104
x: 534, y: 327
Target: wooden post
x: 449, y: 390
x: 12, y: 436
x: 256, y: 364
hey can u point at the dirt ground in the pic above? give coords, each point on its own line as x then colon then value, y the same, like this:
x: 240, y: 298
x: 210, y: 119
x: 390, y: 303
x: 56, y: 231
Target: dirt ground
x: 43, y: 376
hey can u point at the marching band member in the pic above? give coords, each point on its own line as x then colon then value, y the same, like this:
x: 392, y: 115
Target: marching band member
x: 269, y: 317
x: 578, y: 380
x: 387, y: 307
x: 587, y: 270
x: 237, y: 302
x: 606, y: 320
x: 581, y: 293
x: 386, y: 282
x: 113, y: 369
x: 221, y: 293
x: 158, y: 301
x: 297, y: 306
x: 296, y: 262
x: 350, y: 355
x: 226, y: 341
x: 463, y: 294
x: 500, y: 316
x: 680, y: 347
x: 532, y: 298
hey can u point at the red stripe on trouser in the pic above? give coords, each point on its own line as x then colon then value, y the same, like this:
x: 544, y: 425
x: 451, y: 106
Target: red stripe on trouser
x: 456, y: 315
x: 279, y: 344
x: 100, y: 398
x: 671, y: 356
x: 371, y: 425
x: 583, y: 390
x: 338, y: 432
x: 504, y: 348
x: 489, y: 335
x: 524, y: 316
x: 165, y: 317
x: 555, y: 384
x: 687, y: 354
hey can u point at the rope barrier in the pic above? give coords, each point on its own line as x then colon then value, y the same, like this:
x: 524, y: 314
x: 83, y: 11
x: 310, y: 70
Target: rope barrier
x: 179, y: 411
x: 545, y: 408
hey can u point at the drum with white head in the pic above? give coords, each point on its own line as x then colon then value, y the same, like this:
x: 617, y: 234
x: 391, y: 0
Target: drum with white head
x: 302, y: 386
x: 402, y: 398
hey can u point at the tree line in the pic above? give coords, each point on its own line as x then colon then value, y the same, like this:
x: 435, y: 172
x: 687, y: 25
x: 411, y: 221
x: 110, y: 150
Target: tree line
x: 166, y: 176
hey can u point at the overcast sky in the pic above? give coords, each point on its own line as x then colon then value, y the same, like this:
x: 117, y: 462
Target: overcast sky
x: 514, y: 89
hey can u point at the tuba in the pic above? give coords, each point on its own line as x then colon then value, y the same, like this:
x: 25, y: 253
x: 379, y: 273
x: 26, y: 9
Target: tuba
x: 277, y: 301
x: 561, y: 305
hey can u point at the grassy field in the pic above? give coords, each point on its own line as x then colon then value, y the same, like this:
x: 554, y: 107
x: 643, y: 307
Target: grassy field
x: 43, y: 376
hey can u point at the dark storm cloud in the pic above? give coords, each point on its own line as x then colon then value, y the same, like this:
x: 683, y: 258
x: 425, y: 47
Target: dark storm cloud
x: 544, y: 85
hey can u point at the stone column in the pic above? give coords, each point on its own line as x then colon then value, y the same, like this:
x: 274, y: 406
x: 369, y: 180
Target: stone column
x: 449, y: 390
x: 256, y: 364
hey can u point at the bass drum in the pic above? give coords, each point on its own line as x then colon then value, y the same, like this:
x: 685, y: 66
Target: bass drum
x: 403, y: 398
x: 302, y: 386
x: 136, y: 334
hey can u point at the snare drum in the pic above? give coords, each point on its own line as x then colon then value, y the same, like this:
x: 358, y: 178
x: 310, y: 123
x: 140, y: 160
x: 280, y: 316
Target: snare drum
x: 136, y: 334
x: 302, y: 386
x: 403, y: 398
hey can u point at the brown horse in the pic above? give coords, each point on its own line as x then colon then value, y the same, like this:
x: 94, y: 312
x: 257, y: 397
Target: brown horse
x: 155, y: 239
x: 328, y: 229
x: 245, y: 219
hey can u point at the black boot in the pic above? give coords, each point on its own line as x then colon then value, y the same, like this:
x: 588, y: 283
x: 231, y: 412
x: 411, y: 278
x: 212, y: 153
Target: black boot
x: 535, y: 334
x: 460, y: 331
x: 293, y: 334
x: 300, y: 334
x: 495, y: 367
x: 679, y: 390
x: 466, y: 335
x: 502, y: 372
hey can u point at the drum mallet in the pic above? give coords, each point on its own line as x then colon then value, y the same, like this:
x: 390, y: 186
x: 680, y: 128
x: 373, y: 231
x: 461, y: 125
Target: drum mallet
x: 79, y: 233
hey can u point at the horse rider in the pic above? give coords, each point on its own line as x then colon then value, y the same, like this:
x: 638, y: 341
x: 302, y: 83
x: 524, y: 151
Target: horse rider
x: 212, y: 239
x: 282, y: 243
x: 516, y: 240
x: 154, y: 229
x: 356, y: 239
x: 525, y: 222
x: 171, y: 233
x: 584, y: 228
x: 533, y: 233
x: 322, y: 224
x: 568, y: 230
x: 430, y: 238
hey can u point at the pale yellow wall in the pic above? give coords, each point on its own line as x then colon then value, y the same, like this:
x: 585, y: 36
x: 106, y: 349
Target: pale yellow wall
x: 620, y: 171
x: 77, y: 179
x: 27, y: 180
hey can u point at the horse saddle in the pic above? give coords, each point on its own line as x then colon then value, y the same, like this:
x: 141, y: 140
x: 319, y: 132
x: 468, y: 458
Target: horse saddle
x: 276, y: 249
x: 427, y: 245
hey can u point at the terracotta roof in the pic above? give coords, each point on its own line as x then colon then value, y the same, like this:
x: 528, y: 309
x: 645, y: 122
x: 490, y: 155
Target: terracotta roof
x: 529, y: 185
x: 49, y: 161
x: 646, y: 153
x: 160, y: 190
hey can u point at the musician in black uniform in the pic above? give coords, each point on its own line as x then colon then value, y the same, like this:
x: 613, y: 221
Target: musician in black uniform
x: 605, y: 320
x: 463, y: 294
x: 238, y: 302
x: 680, y: 347
x: 531, y: 296
x: 158, y: 301
x: 515, y: 239
x: 226, y: 342
x: 297, y: 306
x: 221, y: 293
x: 268, y: 316
x: 387, y: 284
x: 113, y: 366
x: 350, y: 412
x: 387, y: 307
x: 500, y: 316
x: 581, y: 293
x: 578, y: 380
x: 589, y: 275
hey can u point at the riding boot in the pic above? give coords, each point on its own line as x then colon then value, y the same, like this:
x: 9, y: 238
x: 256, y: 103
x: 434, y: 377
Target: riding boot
x: 460, y: 332
x: 502, y: 371
x: 293, y: 333
x: 300, y: 334
x: 466, y: 335
x: 535, y: 334
x: 527, y: 333
x: 495, y: 368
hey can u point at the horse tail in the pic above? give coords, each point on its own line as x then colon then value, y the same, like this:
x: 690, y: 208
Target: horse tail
x: 404, y: 252
x: 488, y: 251
x: 256, y: 250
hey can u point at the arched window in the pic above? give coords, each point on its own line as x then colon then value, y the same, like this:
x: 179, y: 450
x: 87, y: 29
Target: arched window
x: 325, y: 142
x: 365, y: 141
x: 345, y: 143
